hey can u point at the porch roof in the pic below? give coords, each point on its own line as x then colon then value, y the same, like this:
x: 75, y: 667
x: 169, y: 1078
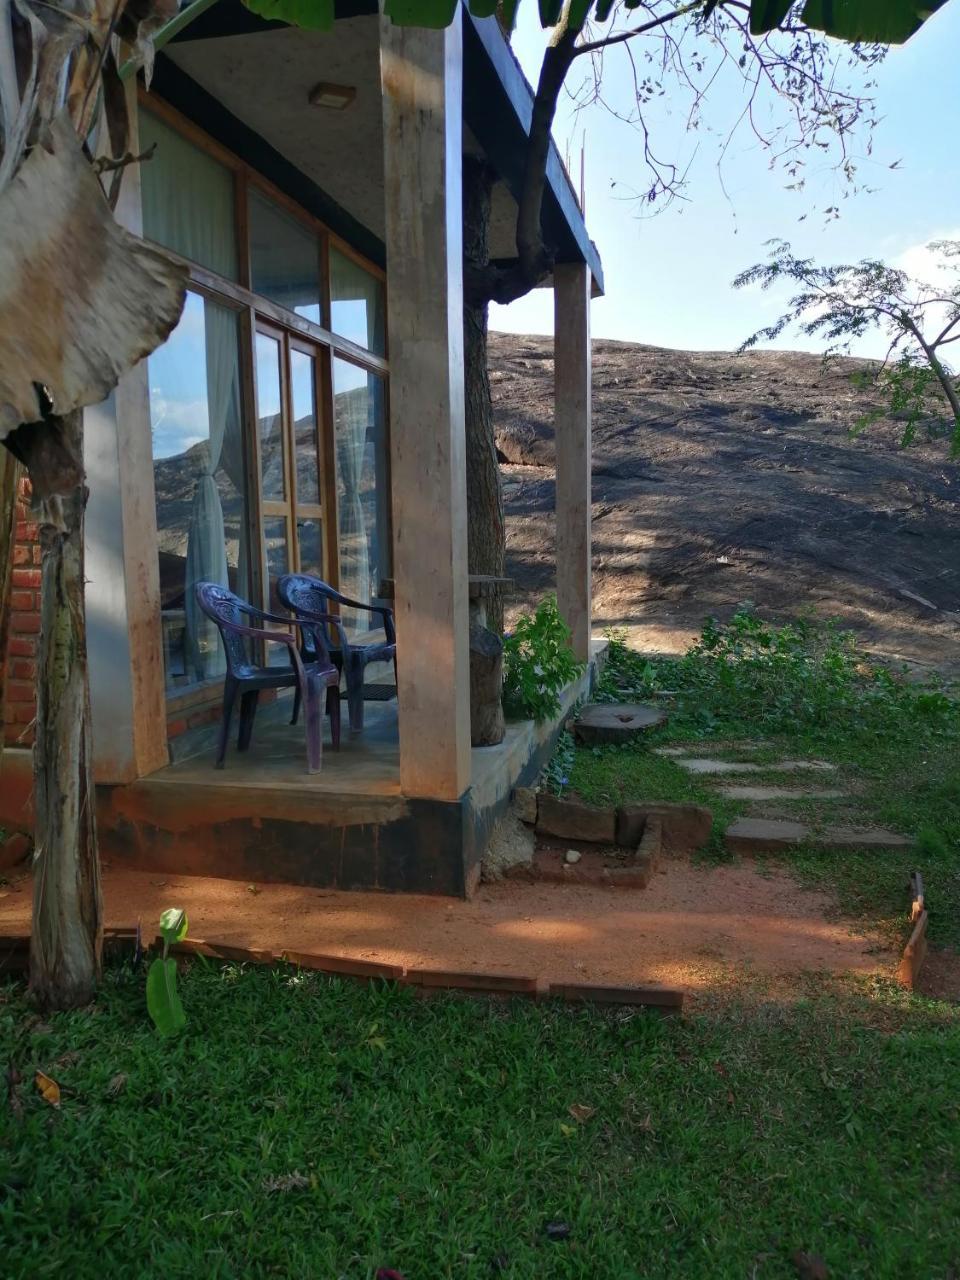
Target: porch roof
x: 215, y: 83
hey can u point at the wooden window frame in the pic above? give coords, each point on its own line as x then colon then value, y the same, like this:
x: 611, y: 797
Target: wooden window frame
x: 260, y: 314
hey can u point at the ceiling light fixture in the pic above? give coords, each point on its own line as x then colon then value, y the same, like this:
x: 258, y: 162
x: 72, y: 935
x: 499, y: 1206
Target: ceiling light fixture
x: 335, y: 96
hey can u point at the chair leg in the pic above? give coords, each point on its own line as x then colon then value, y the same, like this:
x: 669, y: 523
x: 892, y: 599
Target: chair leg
x: 248, y: 711
x: 296, y: 705
x: 313, y: 723
x: 229, y: 698
x: 355, y: 699
x: 333, y: 711
x: 396, y: 678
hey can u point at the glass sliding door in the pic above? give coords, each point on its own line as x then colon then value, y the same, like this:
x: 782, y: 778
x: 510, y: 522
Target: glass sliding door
x: 200, y: 481
x: 363, y: 487
x: 290, y: 448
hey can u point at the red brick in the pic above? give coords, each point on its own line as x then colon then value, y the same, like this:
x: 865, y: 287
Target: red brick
x: 22, y: 600
x: 27, y: 531
x: 23, y: 669
x: 23, y: 713
x: 26, y: 578
x: 471, y: 981
x: 655, y: 997
x: 19, y: 691
x: 345, y: 965
x: 21, y: 647
x: 175, y: 728
x: 21, y: 555
x: 25, y: 623
x: 37, y: 554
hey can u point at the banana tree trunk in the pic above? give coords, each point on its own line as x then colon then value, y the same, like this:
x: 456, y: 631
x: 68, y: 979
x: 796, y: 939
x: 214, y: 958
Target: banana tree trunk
x: 67, y: 913
x: 9, y: 474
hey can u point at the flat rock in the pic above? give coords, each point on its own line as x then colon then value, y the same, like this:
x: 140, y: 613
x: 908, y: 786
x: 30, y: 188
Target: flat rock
x: 603, y: 722
x: 574, y: 820
x: 525, y: 801
x: 759, y: 835
x: 779, y: 793
x: 705, y: 766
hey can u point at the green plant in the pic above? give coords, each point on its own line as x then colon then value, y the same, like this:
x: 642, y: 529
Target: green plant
x: 163, y: 1000
x: 538, y: 664
x: 557, y: 770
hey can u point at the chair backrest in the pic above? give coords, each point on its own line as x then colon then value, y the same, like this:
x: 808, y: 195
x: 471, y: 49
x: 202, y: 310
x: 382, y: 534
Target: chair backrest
x: 227, y: 610
x: 306, y: 597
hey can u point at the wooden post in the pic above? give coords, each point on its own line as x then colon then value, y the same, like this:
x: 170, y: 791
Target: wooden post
x: 124, y: 639
x: 572, y: 380
x: 421, y: 77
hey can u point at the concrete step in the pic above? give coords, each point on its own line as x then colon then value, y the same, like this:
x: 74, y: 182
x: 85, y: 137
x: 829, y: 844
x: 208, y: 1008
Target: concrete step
x: 767, y: 835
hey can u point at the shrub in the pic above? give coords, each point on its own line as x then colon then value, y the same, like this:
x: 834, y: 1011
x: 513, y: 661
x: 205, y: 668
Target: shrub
x: 538, y: 664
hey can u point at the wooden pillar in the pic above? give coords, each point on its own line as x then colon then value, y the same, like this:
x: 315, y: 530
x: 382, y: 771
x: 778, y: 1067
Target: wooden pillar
x: 572, y: 380
x: 421, y: 77
x: 123, y: 584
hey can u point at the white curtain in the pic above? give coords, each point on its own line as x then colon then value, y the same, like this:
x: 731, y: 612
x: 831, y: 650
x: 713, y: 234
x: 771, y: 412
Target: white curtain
x: 188, y: 206
x: 206, y: 538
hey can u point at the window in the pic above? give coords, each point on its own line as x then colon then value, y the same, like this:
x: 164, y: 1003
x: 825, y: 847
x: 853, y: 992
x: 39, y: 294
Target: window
x: 188, y: 202
x: 356, y: 303
x: 200, y: 481
x: 284, y: 258
x: 363, y: 487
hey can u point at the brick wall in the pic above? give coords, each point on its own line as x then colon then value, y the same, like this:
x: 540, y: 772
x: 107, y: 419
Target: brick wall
x: 20, y: 675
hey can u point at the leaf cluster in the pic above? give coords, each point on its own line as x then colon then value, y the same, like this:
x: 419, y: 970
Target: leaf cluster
x: 538, y: 664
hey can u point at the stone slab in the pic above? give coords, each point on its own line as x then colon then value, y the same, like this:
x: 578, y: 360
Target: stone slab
x: 684, y: 827
x: 761, y: 835
x: 707, y: 766
x: 605, y: 722
x: 525, y: 801
x: 779, y: 793
x: 574, y: 820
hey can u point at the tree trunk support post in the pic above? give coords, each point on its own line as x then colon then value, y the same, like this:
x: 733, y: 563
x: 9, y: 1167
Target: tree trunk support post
x: 572, y: 419
x: 422, y: 130
x: 123, y: 580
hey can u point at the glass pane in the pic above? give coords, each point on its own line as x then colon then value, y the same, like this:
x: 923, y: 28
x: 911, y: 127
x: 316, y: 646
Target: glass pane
x: 310, y: 538
x: 303, y: 395
x: 200, y: 482
x: 187, y: 199
x: 269, y: 417
x: 284, y: 258
x: 278, y: 558
x: 356, y: 303
x: 363, y: 488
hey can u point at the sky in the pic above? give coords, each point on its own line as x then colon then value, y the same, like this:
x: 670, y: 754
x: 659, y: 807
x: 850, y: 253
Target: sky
x: 668, y: 277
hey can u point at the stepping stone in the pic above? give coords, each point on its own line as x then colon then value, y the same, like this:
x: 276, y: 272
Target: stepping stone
x: 762, y: 835
x: 602, y: 722
x: 716, y: 766
x: 779, y: 793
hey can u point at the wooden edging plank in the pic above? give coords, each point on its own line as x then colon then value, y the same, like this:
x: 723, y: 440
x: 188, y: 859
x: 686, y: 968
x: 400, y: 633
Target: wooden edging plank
x: 15, y: 959
x: 914, y: 953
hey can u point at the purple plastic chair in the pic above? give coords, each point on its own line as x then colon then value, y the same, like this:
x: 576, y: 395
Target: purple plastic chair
x: 309, y: 598
x: 308, y: 678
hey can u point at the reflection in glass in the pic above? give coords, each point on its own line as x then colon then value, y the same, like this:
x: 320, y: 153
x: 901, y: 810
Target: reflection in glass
x: 303, y: 395
x: 269, y: 417
x: 278, y: 563
x: 310, y: 539
x: 363, y: 484
x: 356, y: 303
x: 187, y: 199
x: 284, y: 258
x: 200, y: 482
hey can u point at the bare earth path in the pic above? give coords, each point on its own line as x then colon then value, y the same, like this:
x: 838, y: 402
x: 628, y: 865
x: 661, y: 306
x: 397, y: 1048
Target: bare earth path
x: 693, y: 926
x: 719, y: 479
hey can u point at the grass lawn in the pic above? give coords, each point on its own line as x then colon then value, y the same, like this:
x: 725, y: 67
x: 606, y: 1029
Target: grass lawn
x: 315, y: 1128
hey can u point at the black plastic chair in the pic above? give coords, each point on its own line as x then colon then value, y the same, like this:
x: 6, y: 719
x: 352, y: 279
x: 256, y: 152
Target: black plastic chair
x: 309, y: 678
x: 308, y: 598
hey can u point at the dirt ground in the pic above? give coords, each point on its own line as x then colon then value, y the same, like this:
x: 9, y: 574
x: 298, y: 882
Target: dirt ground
x: 719, y: 479
x: 693, y: 926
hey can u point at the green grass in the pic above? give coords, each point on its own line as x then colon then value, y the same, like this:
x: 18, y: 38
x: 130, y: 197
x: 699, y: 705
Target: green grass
x: 803, y: 692
x: 436, y: 1137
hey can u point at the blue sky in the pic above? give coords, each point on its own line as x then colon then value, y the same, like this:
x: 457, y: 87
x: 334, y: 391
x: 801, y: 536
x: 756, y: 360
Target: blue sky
x: 668, y: 277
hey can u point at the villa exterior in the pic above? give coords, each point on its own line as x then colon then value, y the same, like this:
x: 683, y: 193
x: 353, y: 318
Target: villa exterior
x: 307, y: 414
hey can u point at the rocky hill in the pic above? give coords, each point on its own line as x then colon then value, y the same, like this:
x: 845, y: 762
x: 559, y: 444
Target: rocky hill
x: 720, y: 478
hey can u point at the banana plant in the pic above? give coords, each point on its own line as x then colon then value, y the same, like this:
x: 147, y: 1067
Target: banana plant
x: 163, y: 1000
